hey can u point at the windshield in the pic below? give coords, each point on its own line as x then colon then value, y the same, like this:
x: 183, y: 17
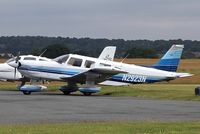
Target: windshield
x: 12, y: 59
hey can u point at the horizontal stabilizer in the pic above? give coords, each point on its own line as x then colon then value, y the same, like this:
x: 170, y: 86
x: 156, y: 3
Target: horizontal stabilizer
x: 182, y: 75
x: 113, y: 83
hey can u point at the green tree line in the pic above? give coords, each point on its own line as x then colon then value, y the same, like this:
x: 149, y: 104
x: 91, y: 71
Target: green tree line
x: 93, y: 47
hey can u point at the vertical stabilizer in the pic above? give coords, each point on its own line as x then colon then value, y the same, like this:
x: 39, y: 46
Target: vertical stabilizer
x: 170, y: 61
x: 108, y: 53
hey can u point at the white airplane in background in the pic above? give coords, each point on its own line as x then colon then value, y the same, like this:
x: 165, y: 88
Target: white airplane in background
x: 11, y: 74
x: 8, y: 73
x: 90, y: 71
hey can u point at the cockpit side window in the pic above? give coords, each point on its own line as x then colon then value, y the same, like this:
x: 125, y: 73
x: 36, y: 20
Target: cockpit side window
x: 75, y: 62
x: 29, y: 58
x: 42, y: 60
x: 88, y: 64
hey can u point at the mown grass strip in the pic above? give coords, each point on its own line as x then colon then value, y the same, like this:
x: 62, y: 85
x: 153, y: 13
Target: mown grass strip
x: 117, y: 127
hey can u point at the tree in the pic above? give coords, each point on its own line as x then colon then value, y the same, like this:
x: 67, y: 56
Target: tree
x: 55, y: 50
x: 141, y: 53
x: 36, y: 51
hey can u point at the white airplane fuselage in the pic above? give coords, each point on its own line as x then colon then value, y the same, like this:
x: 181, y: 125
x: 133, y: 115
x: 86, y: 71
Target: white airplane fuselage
x: 9, y: 73
x: 52, y: 70
x: 90, y: 71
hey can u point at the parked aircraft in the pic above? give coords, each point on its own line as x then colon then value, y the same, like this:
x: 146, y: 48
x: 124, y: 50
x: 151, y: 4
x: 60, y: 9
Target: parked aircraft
x: 11, y: 74
x: 8, y: 73
x: 89, y: 71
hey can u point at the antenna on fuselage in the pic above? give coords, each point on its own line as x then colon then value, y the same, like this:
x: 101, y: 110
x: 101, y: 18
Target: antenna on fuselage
x: 42, y: 52
x: 124, y: 58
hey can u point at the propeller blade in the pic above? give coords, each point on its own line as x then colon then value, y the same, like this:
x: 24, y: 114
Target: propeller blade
x: 15, y: 73
x: 19, y: 64
x: 17, y: 58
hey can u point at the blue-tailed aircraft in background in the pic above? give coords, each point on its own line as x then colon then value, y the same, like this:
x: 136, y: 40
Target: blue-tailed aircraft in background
x: 89, y: 71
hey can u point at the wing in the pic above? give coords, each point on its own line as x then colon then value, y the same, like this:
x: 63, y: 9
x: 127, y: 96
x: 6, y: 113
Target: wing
x: 96, y: 74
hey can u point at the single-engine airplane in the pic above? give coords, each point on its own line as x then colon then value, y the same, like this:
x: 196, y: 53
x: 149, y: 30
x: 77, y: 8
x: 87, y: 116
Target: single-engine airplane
x: 11, y: 74
x: 90, y: 71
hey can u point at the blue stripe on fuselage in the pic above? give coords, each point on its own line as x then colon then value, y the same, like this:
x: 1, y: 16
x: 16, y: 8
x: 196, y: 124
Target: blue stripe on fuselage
x: 127, y: 78
x: 134, y: 79
x: 50, y: 70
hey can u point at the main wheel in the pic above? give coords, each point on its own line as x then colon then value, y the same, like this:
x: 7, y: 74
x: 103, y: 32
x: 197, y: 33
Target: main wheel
x: 87, y: 93
x: 26, y: 92
x: 66, y: 92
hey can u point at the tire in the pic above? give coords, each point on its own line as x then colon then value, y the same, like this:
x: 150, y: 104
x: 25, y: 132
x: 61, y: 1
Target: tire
x: 197, y: 91
x: 87, y: 93
x: 66, y: 92
x: 26, y: 92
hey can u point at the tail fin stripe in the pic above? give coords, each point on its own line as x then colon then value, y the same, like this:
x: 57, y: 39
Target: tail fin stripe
x: 170, y: 61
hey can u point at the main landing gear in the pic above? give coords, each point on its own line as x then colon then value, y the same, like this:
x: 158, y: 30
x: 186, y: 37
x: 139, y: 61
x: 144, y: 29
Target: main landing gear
x: 87, y: 90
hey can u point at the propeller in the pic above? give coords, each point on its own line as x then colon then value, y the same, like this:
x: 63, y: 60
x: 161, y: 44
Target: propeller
x: 17, y: 58
x: 17, y: 61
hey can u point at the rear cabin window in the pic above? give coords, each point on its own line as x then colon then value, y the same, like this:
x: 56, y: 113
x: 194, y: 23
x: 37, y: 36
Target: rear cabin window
x: 88, y: 64
x: 29, y: 58
x: 42, y: 60
x: 75, y: 62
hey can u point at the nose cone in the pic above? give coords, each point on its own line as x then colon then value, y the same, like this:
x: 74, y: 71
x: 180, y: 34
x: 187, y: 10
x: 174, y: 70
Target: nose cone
x: 13, y: 64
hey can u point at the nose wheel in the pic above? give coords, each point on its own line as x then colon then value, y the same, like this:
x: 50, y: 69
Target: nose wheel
x: 66, y: 92
x: 68, y: 89
x: 26, y: 92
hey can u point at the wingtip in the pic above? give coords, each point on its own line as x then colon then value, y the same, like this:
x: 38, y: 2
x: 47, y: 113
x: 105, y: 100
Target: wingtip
x: 183, y: 75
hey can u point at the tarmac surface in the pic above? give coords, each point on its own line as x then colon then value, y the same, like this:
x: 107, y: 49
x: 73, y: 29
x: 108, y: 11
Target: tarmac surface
x: 51, y: 107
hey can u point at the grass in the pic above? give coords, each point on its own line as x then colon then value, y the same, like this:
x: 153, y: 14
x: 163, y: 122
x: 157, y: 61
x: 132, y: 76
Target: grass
x: 118, y: 127
x: 154, y: 91
x: 174, y: 90
x: 161, y: 91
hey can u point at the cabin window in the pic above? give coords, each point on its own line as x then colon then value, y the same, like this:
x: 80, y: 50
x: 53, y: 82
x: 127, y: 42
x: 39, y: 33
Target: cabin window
x: 29, y: 58
x: 88, y: 63
x: 42, y: 60
x: 75, y: 62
